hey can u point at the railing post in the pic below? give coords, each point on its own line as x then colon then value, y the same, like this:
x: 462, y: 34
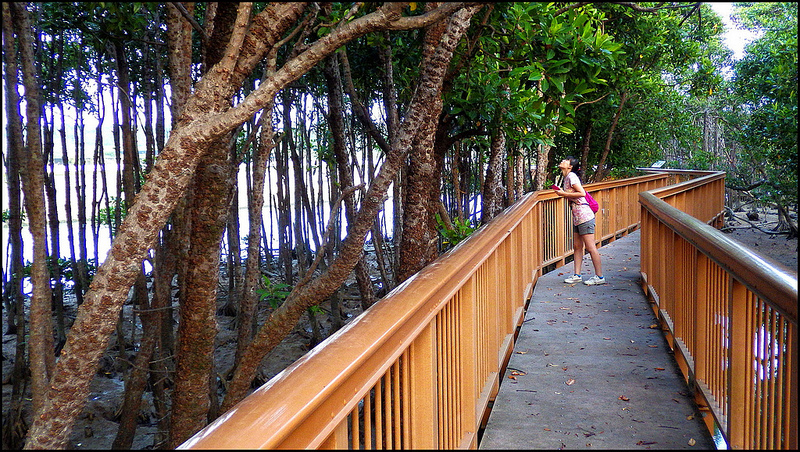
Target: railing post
x: 790, y: 425
x: 702, y: 327
x: 472, y: 406
x: 738, y: 362
x: 424, y: 418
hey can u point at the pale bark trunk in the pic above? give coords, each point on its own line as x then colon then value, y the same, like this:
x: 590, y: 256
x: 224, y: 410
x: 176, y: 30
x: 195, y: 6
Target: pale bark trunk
x: 13, y: 419
x: 213, y: 186
x: 492, y: 199
x: 542, y: 160
x: 418, y: 245
x: 32, y: 167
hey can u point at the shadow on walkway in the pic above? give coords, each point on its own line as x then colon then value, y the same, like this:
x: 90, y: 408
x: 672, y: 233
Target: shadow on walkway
x: 591, y: 370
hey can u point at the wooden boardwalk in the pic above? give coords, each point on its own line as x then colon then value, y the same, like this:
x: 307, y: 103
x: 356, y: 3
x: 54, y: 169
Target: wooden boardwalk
x: 590, y: 369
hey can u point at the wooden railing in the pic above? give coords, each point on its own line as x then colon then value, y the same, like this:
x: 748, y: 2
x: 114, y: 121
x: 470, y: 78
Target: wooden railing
x: 420, y: 367
x: 729, y: 315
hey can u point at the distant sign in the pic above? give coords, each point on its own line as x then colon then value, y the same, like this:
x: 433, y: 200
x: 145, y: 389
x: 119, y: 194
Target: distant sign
x: 658, y: 164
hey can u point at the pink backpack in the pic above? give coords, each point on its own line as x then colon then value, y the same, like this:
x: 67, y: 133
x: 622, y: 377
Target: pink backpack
x: 592, y: 203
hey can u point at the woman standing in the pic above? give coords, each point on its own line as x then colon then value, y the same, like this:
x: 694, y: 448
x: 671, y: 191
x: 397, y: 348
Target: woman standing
x: 583, y: 222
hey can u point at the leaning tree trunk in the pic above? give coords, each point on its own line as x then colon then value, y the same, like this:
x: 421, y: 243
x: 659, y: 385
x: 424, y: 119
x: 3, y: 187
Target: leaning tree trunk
x: 136, y: 379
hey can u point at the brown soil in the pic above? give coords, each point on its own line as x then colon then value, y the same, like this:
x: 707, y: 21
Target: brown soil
x: 97, y: 428
x: 756, y: 235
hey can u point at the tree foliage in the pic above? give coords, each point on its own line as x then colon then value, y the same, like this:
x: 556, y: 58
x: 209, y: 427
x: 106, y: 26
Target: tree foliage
x: 765, y: 84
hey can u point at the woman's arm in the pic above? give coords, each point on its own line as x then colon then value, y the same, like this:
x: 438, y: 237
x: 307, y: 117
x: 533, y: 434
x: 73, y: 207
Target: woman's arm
x: 576, y: 185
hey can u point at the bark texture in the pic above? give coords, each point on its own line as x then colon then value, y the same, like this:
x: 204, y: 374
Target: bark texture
x: 32, y: 168
x: 492, y: 200
x: 213, y: 186
x: 419, y: 239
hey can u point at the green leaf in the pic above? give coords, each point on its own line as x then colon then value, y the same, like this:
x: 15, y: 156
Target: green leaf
x: 559, y: 83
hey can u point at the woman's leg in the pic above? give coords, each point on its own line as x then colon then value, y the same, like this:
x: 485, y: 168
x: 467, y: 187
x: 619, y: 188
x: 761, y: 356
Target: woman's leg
x: 577, y: 255
x: 587, y: 242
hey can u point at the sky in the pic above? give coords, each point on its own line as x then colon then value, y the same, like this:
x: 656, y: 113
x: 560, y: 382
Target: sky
x: 735, y: 38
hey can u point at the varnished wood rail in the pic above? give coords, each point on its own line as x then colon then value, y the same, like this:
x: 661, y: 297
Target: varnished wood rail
x: 421, y: 366
x: 729, y: 315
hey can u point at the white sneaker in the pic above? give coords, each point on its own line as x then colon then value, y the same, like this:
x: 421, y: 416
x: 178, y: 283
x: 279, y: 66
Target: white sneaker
x: 573, y: 279
x: 595, y: 280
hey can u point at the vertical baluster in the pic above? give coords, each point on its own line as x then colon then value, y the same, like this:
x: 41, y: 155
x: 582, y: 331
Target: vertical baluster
x: 738, y: 362
x: 355, y: 432
x: 398, y: 400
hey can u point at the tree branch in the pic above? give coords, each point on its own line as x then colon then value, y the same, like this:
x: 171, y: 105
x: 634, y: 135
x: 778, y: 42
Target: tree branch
x: 179, y: 6
x: 749, y: 187
x: 660, y: 6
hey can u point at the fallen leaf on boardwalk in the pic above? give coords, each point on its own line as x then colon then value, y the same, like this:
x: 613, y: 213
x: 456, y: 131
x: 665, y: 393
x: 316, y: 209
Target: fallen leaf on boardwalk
x: 692, y: 442
x: 689, y: 417
x: 654, y: 326
x: 645, y: 443
x: 623, y: 398
x: 512, y: 377
x: 660, y: 368
x: 570, y: 382
x: 606, y: 338
x: 518, y: 372
x: 547, y: 430
x: 653, y: 346
x: 520, y: 353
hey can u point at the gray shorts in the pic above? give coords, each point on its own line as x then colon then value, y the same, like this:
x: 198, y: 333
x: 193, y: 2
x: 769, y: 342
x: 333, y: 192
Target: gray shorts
x: 584, y: 228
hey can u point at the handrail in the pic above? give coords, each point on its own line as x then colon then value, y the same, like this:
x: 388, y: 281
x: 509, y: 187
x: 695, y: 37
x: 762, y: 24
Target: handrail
x: 421, y: 366
x: 732, y: 320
